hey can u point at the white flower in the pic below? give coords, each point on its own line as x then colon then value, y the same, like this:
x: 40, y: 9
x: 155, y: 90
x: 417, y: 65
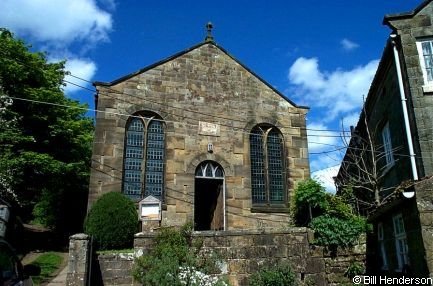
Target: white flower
x: 192, y: 277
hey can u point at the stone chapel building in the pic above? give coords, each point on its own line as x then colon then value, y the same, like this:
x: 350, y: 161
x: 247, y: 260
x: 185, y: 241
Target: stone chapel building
x: 203, y: 135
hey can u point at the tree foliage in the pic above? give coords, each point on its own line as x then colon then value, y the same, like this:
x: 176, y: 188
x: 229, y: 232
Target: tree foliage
x: 330, y: 216
x: 310, y: 200
x: 46, y: 147
x: 112, y: 221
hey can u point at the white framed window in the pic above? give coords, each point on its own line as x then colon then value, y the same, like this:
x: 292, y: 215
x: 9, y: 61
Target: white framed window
x: 400, y: 242
x: 425, y: 52
x: 387, y: 146
x: 381, y: 244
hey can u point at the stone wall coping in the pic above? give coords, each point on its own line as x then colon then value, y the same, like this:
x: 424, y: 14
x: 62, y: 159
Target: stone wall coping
x: 120, y: 256
x: 80, y: 236
x: 242, y: 232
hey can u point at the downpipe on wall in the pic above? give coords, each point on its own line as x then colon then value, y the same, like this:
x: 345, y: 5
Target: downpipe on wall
x: 404, y: 107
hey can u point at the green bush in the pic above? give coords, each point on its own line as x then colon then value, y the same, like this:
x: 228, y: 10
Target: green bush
x: 333, y: 231
x: 354, y: 269
x: 330, y: 216
x: 112, y: 222
x: 176, y: 260
x: 278, y: 275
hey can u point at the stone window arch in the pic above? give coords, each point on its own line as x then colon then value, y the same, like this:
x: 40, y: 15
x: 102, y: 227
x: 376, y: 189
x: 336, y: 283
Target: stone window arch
x: 267, y: 166
x: 144, y: 156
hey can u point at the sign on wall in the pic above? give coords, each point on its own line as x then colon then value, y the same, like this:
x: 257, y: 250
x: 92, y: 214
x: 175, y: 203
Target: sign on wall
x: 150, y: 208
x: 206, y: 128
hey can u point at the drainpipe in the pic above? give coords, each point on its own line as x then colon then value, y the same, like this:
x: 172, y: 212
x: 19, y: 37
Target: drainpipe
x: 404, y: 107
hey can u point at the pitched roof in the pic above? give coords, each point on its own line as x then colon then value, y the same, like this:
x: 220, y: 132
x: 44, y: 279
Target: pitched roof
x: 170, y: 58
x: 398, y: 16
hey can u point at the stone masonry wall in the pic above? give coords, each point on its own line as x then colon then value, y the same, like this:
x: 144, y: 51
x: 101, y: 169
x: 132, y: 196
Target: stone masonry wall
x: 113, y: 269
x: 424, y: 201
x: 242, y: 253
x: 245, y: 252
x: 79, y: 259
x: 204, y: 84
x: 410, y: 30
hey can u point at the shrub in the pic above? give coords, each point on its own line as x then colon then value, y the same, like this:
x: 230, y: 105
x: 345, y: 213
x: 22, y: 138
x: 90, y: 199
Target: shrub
x: 277, y: 275
x: 176, y: 260
x: 333, y: 231
x: 112, y: 222
x: 330, y: 216
x: 354, y: 269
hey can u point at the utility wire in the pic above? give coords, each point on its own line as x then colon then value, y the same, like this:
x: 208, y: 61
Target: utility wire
x: 68, y: 73
x: 338, y: 148
x: 234, y: 129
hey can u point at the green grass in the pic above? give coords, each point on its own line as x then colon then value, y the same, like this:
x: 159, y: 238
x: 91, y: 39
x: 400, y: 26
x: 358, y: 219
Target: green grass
x: 49, y: 263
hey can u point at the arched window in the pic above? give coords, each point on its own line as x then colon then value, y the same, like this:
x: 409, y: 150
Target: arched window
x: 143, y: 168
x: 267, y: 166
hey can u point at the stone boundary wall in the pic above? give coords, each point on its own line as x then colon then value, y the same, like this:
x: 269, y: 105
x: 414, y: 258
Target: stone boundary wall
x: 79, y: 259
x: 424, y: 201
x: 242, y: 253
x: 113, y: 269
x: 245, y: 252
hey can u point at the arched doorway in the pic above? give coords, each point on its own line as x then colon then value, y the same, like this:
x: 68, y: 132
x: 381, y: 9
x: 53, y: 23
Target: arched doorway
x: 209, y: 199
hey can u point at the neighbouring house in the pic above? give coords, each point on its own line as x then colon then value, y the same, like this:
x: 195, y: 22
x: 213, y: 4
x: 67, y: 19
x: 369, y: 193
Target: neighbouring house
x: 389, y: 160
x: 198, y: 137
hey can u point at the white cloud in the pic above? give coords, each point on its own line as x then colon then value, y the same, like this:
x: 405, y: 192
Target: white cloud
x: 350, y: 120
x: 56, y: 22
x: 326, y: 147
x: 57, y: 26
x: 339, y: 92
x: 333, y: 96
x: 348, y: 45
x: 82, y: 70
x: 325, y: 177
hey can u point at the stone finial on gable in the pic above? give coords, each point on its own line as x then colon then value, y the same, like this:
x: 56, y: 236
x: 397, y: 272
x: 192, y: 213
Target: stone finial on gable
x: 209, y: 37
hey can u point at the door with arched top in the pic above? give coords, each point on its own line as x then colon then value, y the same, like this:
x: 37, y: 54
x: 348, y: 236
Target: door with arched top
x: 209, y: 199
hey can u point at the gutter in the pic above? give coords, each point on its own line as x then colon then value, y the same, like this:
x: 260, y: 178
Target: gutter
x: 404, y: 107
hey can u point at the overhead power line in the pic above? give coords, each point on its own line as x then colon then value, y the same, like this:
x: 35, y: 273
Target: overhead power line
x: 68, y: 73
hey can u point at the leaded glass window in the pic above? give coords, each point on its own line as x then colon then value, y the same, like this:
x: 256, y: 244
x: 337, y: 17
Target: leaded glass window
x: 267, y: 168
x: 257, y: 167
x: 143, y: 168
x: 275, y: 166
x: 209, y: 169
x: 132, y: 169
x: 155, y: 159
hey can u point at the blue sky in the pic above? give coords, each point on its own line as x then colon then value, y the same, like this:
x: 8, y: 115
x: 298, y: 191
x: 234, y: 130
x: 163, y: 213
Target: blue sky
x: 322, y: 54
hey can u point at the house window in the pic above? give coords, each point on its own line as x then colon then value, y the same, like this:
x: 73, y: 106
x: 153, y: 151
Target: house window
x: 400, y: 242
x: 381, y: 244
x: 143, y: 168
x: 387, y: 146
x: 425, y: 51
x: 267, y: 167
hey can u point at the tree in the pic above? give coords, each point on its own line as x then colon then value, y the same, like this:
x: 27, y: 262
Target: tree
x: 46, y: 147
x: 362, y: 172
